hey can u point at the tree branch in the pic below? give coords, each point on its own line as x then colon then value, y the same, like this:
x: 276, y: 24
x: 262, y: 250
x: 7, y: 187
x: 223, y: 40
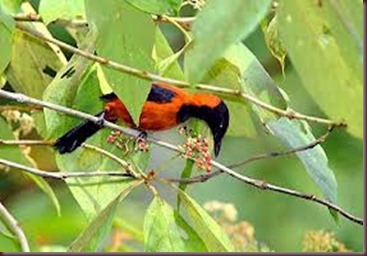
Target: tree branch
x: 311, y: 145
x: 153, y: 77
x: 183, y: 21
x: 64, y: 175
x: 256, y: 183
x: 101, y: 151
x: 13, y: 225
x: 267, y: 186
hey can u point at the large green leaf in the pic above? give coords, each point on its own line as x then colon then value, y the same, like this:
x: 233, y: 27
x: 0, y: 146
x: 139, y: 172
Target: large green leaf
x: 219, y: 25
x: 157, y: 6
x: 204, y: 225
x: 13, y: 153
x: 345, y: 22
x: 64, y: 87
x: 227, y: 74
x: 33, y: 62
x: 10, y: 6
x: 179, y: 236
x: 162, y: 55
x: 239, y: 69
x: 295, y: 133
x: 125, y: 35
x: 91, y: 238
x: 257, y: 82
x: 51, y: 10
x: 92, y: 194
x: 323, y: 59
x: 159, y: 217
x: 2, y: 80
x: 7, y: 26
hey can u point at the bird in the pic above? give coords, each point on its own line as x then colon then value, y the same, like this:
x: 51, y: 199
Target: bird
x: 166, y: 106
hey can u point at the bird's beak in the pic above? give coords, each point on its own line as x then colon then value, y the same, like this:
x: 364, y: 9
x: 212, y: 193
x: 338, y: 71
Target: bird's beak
x: 217, y: 144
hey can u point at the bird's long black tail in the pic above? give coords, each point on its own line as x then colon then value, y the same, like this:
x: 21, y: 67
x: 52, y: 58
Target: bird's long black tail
x: 77, y: 135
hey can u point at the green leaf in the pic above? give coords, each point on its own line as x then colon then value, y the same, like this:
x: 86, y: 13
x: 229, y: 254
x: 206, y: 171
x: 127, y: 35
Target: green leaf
x: 33, y: 62
x: 63, y: 89
x: 273, y: 42
x: 92, y: 194
x: 10, y: 6
x: 219, y: 25
x: 51, y: 10
x: 14, y: 153
x: 239, y: 69
x: 226, y: 74
x: 132, y: 46
x: 319, y: 56
x: 296, y: 134
x: 2, y: 80
x: 5, y: 231
x: 90, y: 239
x: 255, y: 80
x: 157, y: 6
x: 160, y: 217
x: 186, y: 173
x: 193, y: 242
x: 345, y: 22
x: 162, y: 54
x: 180, y: 237
x: 208, y: 230
x: 7, y: 26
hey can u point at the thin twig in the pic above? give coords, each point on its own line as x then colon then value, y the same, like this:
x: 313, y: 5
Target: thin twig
x: 121, y: 162
x: 183, y: 21
x: 267, y: 186
x: 13, y: 225
x: 64, y: 175
x: 204, y: 177
x: 153, y: 77
x: 257, y: 183
x: 311, y: 145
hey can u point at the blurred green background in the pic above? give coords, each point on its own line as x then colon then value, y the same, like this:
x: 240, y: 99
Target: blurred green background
x: 280, y: 221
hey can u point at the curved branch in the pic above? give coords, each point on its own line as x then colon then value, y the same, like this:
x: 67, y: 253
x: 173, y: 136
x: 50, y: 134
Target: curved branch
x: 13, y: 225
x: 256, y: 183
x: 311, y: 145
x: 64, y: 175
x: 153, y: 77
x: 183, y: 21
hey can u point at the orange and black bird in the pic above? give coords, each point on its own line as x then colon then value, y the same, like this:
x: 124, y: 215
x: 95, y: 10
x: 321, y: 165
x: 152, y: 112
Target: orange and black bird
x: 165, y: 107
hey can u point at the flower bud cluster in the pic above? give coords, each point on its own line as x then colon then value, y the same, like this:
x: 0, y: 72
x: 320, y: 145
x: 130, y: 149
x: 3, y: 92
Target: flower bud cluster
x: 197, y: 148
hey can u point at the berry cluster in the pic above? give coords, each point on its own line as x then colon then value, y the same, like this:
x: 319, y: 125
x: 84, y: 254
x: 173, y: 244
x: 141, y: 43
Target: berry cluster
x: 197, y: 148
x: 142, y: 145
x: 117, y: 138
x: 114, y: 137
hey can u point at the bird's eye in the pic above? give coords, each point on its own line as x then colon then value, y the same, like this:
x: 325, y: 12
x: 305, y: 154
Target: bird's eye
x: 221, y: 126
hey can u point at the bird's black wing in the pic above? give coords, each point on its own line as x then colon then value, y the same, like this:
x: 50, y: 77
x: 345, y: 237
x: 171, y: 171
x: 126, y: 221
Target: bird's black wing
x: 157, y: 94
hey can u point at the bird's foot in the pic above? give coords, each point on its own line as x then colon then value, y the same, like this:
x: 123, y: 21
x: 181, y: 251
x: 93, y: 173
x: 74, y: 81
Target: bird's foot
x: 100, y: 122
x: 143, y: 135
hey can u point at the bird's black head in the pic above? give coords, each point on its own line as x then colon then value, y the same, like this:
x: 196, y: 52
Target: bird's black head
x: 217, y: 118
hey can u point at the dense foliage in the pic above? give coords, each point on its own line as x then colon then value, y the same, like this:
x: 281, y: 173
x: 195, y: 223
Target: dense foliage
x: 288, y: 70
